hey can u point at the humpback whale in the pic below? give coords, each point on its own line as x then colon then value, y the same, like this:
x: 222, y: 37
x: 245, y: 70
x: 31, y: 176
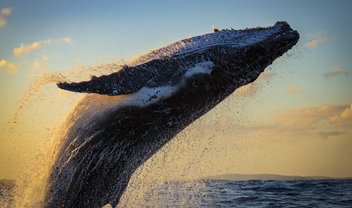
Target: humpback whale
x: 130, y: 114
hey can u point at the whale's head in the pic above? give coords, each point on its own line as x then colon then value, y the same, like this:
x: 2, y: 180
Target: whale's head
x: 232, y: 57
x: 237, y: 55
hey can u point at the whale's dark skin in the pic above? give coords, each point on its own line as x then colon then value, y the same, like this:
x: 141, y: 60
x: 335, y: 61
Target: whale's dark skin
x: 115, y: 143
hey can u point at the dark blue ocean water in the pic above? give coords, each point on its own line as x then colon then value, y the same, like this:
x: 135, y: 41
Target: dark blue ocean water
x: 256, y: 193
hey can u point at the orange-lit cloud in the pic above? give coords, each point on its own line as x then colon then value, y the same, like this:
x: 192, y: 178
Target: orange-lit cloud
x: 345, y: 117
x: 314, y: 122
x: 307, y: 117
x: 336, y: 71
x: 7, y: 66
x: 293, y: 90
x: 318, y: 122
x: 316, y: 39
x: 3, y: 14
x: 314, y: 43
x: 26, y: 48
x: 23, y: 49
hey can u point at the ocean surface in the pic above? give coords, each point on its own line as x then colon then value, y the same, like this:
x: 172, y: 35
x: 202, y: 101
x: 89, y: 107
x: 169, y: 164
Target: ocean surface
x: 254, y: 193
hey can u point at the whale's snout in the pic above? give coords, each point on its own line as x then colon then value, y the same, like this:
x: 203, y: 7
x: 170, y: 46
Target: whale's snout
x: 288, y: 37
x: 278, y: 44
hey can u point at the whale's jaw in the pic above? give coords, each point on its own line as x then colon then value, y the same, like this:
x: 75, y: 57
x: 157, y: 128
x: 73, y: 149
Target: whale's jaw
x: 103, y: 148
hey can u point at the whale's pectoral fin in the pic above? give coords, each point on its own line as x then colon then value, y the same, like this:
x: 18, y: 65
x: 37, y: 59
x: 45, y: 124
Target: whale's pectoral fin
x: 125, y: 81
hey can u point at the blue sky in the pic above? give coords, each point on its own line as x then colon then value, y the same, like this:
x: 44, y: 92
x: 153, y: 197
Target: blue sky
x: 70, y: 34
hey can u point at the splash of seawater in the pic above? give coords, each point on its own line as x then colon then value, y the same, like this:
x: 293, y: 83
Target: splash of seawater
x: 35, y: 132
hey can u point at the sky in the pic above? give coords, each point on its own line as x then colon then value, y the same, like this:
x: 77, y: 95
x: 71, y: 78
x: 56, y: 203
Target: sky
x: 295, y: 119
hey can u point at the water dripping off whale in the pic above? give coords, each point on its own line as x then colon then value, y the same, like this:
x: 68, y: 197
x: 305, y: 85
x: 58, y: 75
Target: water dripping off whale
x: 127, y: 116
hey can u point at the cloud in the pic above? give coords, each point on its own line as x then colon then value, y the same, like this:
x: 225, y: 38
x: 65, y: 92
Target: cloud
x: 293, y: 90
x: 316, y: 39
x: 325, y: 121
x: 23, y: 49
x: 26, y: 48
x: 318, y: 122
x: 344, y: 117
x: 67, y: 40
x: 3, y: 14
x: 7, y: 66
x: 335, y: 71
x: 314, y: 43
x: 329, y: 133
x: 308, y: 117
